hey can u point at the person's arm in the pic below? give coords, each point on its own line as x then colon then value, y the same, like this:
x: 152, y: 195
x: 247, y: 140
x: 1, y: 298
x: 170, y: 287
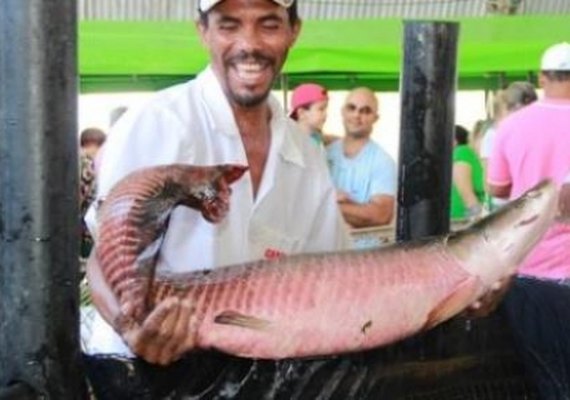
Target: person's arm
x: 378, y: 211
x: 160, y: 338
x: 499, y: 179
x: 462, y: 179
x: 500, y: 191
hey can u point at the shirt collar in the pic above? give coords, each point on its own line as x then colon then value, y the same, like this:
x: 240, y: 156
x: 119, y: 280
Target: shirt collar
x: 222, y: 121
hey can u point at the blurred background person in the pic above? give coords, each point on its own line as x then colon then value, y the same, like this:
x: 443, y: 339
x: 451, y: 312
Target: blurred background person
x: 517, y: 95
x: 363, y: 173
x: 309, y: 103
x: 115, y: 114
x: 478, y: 133
x: 114, y: 117
x: 532, y: 144
x: 468, y: 185
x: 90, y: 141
x: 498, y: 110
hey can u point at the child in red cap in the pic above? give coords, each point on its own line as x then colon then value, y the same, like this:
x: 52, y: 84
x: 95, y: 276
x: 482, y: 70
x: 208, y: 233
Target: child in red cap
x: 309, y: 108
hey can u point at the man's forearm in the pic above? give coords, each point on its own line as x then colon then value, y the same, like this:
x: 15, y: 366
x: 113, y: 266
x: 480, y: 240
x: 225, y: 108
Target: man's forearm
x: 365, y: 215
x: 351, y: 215
x: 502, y: 192
x: 103, y: 297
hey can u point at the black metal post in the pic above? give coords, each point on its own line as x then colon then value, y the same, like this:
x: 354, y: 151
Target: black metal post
x: 17, y: 391
x: 428, y: 85
x: 39, y: 272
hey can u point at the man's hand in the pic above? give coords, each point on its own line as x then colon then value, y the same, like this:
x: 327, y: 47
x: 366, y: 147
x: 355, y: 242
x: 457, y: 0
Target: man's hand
x: 342, y: 197
x: 486, y: 304
x: 161, y: 338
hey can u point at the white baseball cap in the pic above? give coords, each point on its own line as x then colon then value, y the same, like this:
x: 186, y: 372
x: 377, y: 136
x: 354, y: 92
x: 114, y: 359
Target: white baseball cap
x: 556, y: 58
x: 206, y: 5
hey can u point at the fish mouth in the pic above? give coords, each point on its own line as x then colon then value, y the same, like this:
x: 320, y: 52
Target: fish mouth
x: 215, y: 210
x: 232, y: 172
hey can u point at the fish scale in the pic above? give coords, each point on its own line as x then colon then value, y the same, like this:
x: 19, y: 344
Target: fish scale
x: 336, y: 287
x: 311, y: 304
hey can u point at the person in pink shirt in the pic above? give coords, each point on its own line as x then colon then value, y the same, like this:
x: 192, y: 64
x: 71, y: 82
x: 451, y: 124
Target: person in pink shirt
x: 533, y: 144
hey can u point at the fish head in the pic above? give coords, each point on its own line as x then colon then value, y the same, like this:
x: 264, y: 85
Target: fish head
x: 231, y: 172
x: 214, y: 196
x: 494, y: 247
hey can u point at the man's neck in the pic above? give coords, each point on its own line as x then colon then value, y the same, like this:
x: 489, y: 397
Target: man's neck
x: 254, y: 125
x: 252, y: 120
x: 353, y: 145
x: 558, y: 91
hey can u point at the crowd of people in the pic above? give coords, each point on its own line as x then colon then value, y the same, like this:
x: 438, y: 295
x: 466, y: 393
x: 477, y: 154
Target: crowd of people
x: 227, y: 114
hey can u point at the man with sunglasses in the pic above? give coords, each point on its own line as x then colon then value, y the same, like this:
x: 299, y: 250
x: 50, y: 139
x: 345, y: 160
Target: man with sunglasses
x: 363, y: 173
x: 284, y: 204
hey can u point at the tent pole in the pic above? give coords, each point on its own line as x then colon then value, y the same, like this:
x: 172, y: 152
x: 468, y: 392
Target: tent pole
x: 429, y: 80
x: 39, y: 216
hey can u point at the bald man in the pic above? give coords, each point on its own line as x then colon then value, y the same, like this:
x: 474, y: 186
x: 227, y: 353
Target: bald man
x: 363, y: 173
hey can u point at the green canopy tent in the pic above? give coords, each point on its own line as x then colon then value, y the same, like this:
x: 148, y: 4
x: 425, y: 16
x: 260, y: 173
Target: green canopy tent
x: 131, y: 56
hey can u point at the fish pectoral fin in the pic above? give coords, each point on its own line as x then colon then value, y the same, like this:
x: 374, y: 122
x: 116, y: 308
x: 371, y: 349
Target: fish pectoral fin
x: 241, y: 320
x: 453, y: 304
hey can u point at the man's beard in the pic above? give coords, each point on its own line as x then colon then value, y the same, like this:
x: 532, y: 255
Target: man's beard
x: 249, y: 100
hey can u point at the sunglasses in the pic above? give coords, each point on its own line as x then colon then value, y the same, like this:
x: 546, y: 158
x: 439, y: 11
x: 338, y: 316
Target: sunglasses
x: 364, y: 110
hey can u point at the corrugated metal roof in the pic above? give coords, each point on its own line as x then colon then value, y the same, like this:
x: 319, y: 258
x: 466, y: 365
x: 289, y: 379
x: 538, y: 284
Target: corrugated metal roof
x: 327, y: 9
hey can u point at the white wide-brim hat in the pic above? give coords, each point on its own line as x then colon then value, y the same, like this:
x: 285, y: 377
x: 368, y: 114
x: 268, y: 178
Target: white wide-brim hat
x: 205, y: 5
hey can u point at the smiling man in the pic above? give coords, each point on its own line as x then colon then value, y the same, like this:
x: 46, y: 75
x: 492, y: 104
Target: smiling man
x: 284, y: 204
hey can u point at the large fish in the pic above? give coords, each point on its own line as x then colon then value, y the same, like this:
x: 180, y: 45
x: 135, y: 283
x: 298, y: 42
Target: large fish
x: 311, y: 304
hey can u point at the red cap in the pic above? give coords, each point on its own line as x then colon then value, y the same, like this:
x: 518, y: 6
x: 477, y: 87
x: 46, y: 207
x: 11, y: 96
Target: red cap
x: 306, y: 94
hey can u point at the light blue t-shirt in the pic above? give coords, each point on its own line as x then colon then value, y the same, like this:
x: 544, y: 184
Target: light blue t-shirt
x: 371, y: 172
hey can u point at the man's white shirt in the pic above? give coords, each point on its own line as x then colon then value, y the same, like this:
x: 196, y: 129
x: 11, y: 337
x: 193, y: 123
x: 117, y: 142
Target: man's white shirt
x: 294, y: 211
